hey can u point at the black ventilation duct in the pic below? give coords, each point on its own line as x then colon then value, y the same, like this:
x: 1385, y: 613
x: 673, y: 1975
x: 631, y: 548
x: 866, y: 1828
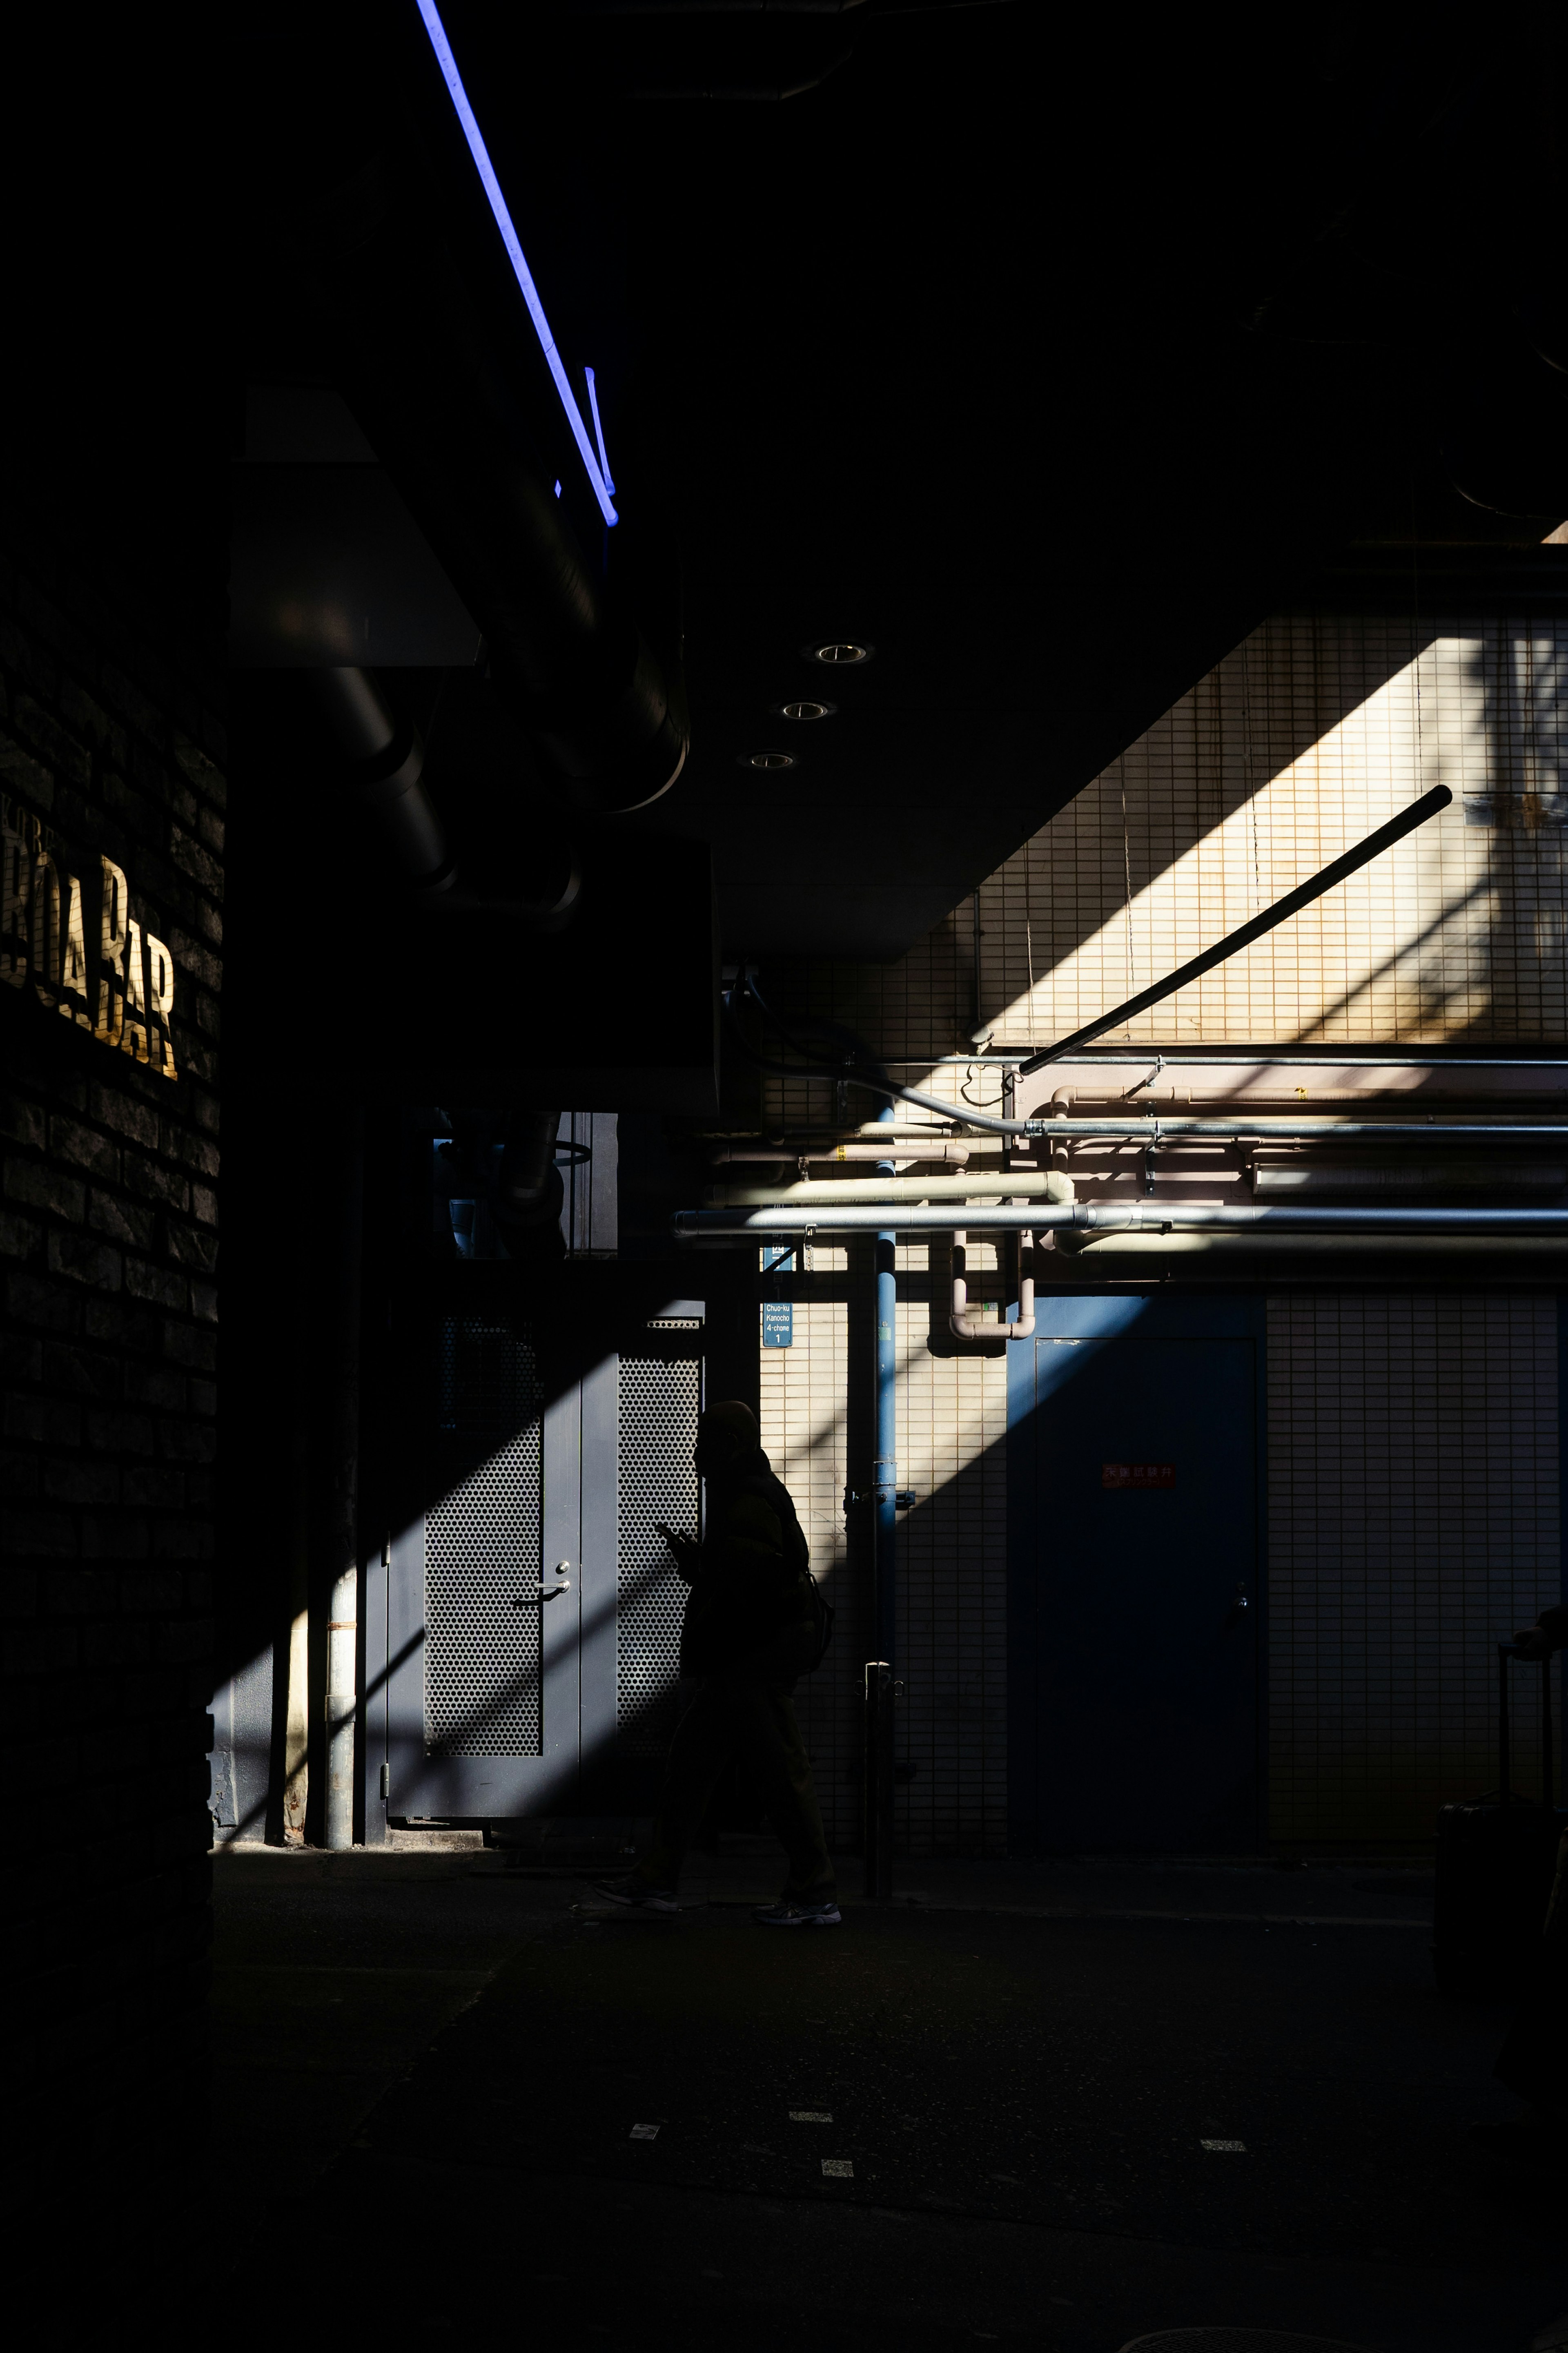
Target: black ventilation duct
x: 383, y: 763
x: 526, y: 873
x: 364, y: 252
x: 602, y: 712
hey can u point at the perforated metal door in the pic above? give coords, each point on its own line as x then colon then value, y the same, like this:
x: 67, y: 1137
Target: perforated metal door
x: 485, y: 1588
x: 484, y: 1547
x: 660, y: 1397
x: 492, y: 1710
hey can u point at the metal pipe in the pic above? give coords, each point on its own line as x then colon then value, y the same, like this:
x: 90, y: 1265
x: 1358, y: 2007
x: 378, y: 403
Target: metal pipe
x: 1138, y: 1120
x: 884, y: 1562
x: 1023, y: 1325
x: 1338, y: 871
x: 1375, y: 1252
x: 893, y: 1192
x: 383, y: 762
x: 338, y: 1480
x: 1137, y: 1126
x: 1155, y: 1127
x: 1111, y: 1058
x: 903, y: 1133
x: 957, y: 1154
x: 1094, y: 1217
x: 1298, y: 1175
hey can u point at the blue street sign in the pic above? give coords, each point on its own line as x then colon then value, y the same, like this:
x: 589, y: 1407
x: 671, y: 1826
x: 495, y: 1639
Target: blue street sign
x: 778, y: 1323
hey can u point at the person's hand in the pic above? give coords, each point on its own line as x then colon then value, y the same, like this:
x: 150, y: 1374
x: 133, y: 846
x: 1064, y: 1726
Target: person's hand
x: 1534, y: 1642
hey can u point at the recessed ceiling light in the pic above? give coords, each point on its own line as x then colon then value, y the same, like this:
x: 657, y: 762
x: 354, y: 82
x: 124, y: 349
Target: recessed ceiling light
x: 805, y: 710
x: 838, y: 653
x: 767, y: 760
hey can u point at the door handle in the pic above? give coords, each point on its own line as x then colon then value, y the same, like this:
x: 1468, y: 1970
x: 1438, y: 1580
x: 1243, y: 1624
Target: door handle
x: 542, y: 1592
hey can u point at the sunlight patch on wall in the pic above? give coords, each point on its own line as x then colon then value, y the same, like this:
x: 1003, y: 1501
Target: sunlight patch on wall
x: 1300, y: 744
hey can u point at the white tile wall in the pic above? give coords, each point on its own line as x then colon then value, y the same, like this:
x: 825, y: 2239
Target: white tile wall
x: 952, y: 1596
x: 1312, y: 733
x: 1298, y: 745
x: 1413, y: 1523
x: 804, y: 1388
x: 953, y: 1568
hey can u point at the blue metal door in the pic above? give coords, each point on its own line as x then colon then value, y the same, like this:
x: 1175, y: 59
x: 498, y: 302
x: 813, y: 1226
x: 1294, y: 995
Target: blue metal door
x: 1135, y: 1579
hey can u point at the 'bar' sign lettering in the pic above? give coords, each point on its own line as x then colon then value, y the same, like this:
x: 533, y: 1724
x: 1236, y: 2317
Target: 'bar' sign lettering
x: 72, y: 941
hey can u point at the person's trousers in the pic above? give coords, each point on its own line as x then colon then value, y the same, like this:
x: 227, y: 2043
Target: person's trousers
x: 749, y: 1717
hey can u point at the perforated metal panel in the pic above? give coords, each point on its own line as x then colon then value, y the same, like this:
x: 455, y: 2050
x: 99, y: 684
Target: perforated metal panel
x: 483, y: 1547
x: 659, y: 1400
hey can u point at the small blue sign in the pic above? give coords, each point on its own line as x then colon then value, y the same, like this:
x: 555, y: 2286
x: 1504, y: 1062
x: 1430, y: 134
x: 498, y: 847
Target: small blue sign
x: 778, y: 1323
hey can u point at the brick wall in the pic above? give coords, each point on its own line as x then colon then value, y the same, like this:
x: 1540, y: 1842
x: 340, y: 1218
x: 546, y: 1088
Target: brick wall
x: 110, y: 748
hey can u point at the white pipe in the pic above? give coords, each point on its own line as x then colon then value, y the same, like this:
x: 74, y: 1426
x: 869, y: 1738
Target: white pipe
x: 955, y: 1153
x: 1150, y: 1127
x: 958, y: 1314
x: 1143, y: 1124
x: 343, y: 1703
x: 1147, y: 1217
x: 1302, y: 1174
x: 1369, y: 1250
x: 893, y: 1192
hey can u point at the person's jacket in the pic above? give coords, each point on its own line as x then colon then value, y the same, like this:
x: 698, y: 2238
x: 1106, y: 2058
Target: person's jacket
x: 750, y: 1576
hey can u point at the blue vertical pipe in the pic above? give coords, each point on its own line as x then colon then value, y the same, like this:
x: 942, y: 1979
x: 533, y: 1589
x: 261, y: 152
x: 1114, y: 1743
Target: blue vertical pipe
x: 885, y: 1470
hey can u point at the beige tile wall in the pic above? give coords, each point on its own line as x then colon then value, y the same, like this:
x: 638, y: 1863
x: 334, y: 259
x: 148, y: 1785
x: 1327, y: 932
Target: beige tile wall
x: 1413, y: 1523
x: 803, y: 1390
x: 1311, y: 733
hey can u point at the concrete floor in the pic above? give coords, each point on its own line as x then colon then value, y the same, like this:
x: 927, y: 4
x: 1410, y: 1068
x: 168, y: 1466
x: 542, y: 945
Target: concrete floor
x: 447, y: 2059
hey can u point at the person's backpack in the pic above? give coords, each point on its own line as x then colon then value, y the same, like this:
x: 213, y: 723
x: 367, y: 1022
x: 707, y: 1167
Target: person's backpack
x: 773, y: 1491
x: 821, y: 1608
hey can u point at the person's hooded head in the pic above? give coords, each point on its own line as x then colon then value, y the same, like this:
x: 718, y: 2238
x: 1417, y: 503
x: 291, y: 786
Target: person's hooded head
x: 728, y: 1437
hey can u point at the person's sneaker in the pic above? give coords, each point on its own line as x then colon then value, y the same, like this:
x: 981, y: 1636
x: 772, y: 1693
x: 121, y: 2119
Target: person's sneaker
x: 631, y: 1890
x: 785, y: 1914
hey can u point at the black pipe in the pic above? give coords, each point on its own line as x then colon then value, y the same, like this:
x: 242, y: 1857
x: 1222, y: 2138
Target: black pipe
x: 382, y: 759
x: 528, y: 1187
x: 1292, y: 904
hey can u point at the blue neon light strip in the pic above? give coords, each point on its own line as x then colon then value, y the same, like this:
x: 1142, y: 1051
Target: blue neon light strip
x: 520, y: 271
x: 599, y: 430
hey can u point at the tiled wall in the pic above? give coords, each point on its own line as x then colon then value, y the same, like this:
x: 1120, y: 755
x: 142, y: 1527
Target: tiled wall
x: 953, y: 1592
x: 804, y: 1389
x: 1311, y: 733
x: 951, y: 1623
x: 1413, y: 1522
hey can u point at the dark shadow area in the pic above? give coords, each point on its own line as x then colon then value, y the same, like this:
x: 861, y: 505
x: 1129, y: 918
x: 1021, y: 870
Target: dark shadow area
x: 1520, y: 678
x: 1021, y: 2103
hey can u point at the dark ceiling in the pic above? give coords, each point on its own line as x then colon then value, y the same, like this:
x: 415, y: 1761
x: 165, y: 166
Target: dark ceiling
x: 1040, y: 352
